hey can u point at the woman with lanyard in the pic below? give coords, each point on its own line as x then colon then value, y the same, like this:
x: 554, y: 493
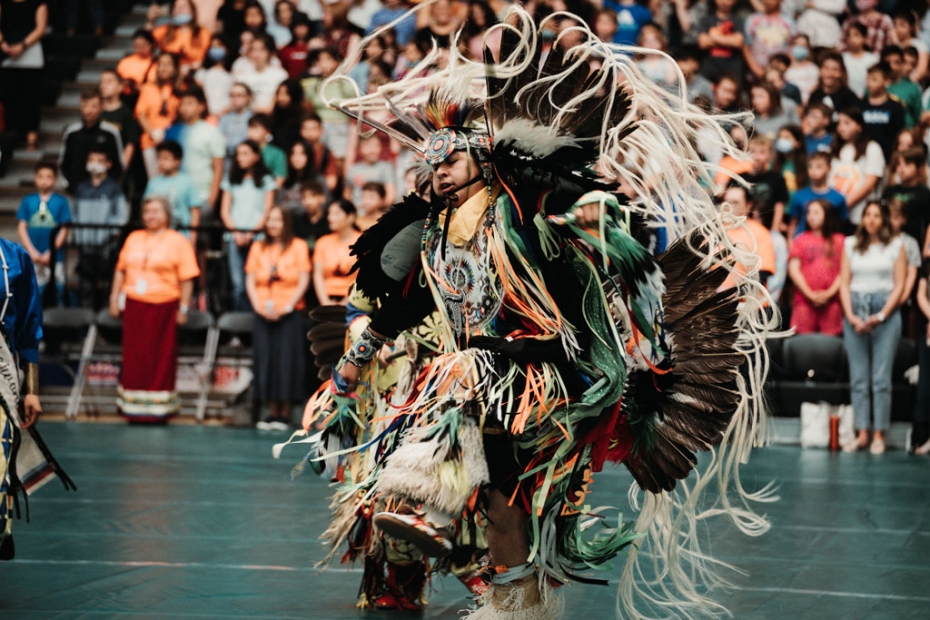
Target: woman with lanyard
x: 152, y: 288
x: 25, y: 462
x: 277, y: 274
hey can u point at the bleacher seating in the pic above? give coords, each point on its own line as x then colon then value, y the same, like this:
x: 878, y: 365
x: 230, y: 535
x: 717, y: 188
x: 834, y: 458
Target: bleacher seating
x: 814, y: 368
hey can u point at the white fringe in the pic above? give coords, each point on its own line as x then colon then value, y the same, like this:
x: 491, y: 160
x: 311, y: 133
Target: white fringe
x: 507, y: 602
x: 426, y: 471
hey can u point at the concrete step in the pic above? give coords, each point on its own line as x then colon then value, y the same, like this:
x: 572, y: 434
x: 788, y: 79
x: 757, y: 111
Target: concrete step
x: 89, y: 76
x: 113, y: 54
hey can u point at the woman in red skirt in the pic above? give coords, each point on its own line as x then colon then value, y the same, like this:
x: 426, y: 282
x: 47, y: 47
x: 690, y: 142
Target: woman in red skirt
x: 155, y: 273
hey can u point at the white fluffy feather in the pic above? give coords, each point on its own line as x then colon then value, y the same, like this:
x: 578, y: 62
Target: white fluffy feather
x: 531, y: 138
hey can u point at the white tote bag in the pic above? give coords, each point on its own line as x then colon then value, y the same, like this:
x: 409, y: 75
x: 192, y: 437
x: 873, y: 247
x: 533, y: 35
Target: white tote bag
x: 815, y: 424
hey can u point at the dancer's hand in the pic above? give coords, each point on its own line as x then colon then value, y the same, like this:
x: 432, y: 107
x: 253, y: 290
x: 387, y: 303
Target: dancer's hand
x: 32, y: 408
x: 588, y: 215
x: 350, y: 374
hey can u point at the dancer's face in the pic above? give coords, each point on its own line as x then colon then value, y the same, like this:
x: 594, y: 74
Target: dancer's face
x: 455, y: 172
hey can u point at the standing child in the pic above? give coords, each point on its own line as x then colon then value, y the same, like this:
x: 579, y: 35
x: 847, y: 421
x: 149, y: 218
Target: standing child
x: 858, y: 162
x: 898, y: 220
x: 372, y: 206
x: 884, y: 117
x: 39, y: 214
x: 335, y: 123
x: 911, y: 189
x: 311, y: 130
x: 235, y: 124
x: 769, y: 193
x: 802, y: 72
x: 721, y: 36
x: 275, y: 160
x: 370, y: 168
x: 177, y: 188
x: 857, y: 58
x: 98, y: 201
x: 816, y: 126
x: 791, y: 158
x: 248, y: 195
x: 901, y: 87
x: 814, y: 268
x: 818, y: 173
x: 768, y: 32
x: 215, y: 79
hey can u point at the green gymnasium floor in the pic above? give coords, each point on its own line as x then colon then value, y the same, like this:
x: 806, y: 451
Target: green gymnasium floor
x: 201, y: 522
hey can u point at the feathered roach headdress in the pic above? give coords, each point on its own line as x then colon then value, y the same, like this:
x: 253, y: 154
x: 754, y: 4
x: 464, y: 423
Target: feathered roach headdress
x: 546, y: 123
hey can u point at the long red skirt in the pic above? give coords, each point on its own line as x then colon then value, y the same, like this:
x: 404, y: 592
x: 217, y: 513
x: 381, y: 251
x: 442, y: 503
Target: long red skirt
x: 148, y: 379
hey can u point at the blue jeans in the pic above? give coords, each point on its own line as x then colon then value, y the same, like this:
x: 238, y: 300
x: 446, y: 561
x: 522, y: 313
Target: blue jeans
x: 237, y: 257
x: 871, y: 359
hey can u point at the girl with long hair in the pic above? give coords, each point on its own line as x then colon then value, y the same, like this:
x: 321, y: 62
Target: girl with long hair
x: 332, y: 262
x: 814, y: 268
x: 858, y: 162
x: 248, y: 195
x: 157, y: 108
x: 872, y: 277
x: 183, y: 36
x: 287, y: 113
x: 277, y: 276
x: 301, y: 171
x: 791, y: 157
x: 767, y: 107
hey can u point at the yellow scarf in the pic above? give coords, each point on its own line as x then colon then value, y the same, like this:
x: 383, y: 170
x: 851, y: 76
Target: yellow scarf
x: 467, y: 219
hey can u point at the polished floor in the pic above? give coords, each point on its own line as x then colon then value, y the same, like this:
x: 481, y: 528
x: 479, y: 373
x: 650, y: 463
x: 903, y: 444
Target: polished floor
x: 201, y: 522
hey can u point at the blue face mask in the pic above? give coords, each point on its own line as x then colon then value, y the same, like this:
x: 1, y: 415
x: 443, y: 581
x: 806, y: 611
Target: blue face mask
x: 784, y: 145
x: 216, y: 54
x: 799, y: 52
x: 182, y: 20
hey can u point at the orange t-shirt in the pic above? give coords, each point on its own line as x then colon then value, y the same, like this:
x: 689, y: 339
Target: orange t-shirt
x: 753, y: 237
x: 333, y: 256
x: 137, y: 69
x: 191, y: 49
x: 156, y: 265
x: 153, y: 100
x: 731, y: 164
x: 278, y: 288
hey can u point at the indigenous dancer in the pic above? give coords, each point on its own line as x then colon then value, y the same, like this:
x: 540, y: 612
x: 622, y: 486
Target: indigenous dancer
x: 25, y: 462
x: 566, y: 343
x: 395, y: 571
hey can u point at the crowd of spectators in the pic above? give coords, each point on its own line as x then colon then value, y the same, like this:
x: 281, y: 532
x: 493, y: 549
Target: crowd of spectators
x: 220, y: 111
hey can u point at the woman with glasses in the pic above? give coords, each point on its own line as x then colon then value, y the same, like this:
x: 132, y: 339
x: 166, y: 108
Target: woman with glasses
x: 277, y: 274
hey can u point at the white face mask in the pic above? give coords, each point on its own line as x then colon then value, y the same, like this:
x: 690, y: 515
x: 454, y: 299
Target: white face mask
x: 95, y: 167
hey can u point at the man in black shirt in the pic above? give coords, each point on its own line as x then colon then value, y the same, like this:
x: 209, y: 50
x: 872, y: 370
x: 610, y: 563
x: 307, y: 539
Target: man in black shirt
x: 833, y: 91
x: 884, y: 117
x: 91, y: 133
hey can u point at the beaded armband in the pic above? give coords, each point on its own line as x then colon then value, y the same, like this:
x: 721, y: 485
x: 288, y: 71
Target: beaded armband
x: 364, y: 348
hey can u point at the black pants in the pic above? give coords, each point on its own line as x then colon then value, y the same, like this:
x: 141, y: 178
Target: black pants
x: 22, y: 98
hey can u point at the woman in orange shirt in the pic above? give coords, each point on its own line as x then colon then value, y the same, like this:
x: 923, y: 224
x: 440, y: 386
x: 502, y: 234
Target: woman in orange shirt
x: 155, y: 274
x: 332, y: 260
x: 184, y: 37
x: 277, y: 274
x: 157, y: 108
